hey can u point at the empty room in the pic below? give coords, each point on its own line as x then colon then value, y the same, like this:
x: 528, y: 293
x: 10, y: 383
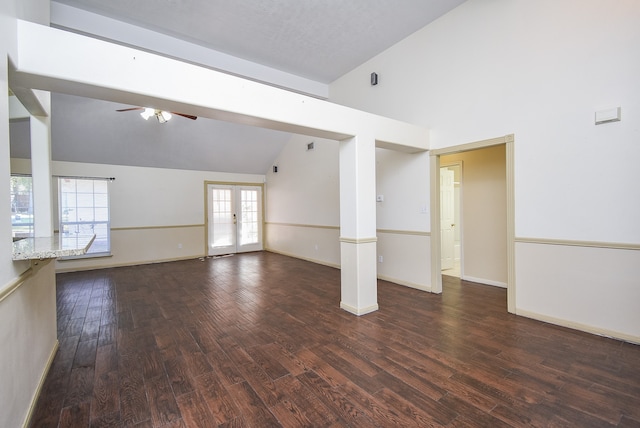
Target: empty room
x: 232, y: 213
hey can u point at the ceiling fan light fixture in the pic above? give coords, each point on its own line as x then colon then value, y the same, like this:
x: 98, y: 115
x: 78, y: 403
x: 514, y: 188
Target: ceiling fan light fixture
x: 147, y: 113
x: 164, y: 116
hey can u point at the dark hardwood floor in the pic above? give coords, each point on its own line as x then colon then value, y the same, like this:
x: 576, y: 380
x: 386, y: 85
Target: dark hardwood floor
x: 259, y: 340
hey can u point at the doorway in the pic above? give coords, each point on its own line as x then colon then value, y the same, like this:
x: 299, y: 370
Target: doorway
x: 234, y: 218
x: 507, y: 142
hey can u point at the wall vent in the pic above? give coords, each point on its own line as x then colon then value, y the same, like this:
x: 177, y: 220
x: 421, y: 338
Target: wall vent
x: 310, y: 146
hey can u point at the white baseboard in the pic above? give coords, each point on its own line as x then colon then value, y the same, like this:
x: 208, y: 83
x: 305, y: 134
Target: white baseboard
x: 484, y: 281
x: 409, y: 284
x: 579, y: 326
x: 359, y: 311
x: 126, y: 264
x: 308, y: 259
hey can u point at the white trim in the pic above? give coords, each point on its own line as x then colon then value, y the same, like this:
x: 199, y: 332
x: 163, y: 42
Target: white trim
x: 308, y: 259
x: 358, y: 240
x: 511, y: 223
x: 484, y: 281
x: 129, y: 263
x: 361, y: 311
x: 574, y: 243
x: 177, y: 226
x: 403, y: 283
x: 579, y: 326
x: 403, y: 232
x: 436, y: 244
x: 310, y: 226
x: 15, y: 284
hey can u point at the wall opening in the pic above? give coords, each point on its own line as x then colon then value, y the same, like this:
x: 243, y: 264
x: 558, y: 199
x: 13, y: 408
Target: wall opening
x: 488, y: 207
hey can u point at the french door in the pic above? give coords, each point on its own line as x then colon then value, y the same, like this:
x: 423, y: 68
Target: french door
x: 234, y: 214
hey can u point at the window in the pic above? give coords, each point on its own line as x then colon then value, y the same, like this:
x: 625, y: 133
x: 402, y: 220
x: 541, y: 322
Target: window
x: 21, y: 206
x: 84, y: 210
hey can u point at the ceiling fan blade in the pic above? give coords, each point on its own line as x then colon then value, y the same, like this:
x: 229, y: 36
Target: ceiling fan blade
x: 188, y: 116
x: 132, y: 108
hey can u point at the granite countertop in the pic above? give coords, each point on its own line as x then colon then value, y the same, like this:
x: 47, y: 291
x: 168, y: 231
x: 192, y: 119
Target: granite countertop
x: 51, y: 247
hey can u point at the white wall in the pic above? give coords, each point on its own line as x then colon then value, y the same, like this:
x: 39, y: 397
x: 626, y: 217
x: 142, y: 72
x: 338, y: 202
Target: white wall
x: 28, y: 341
x: 8, y: 269
x: 403, y: 218
x: 157, y: 214
x: 305, y: 190
x: 538, y: 70
x: 302, y: 210
x: 484, y: 214
x: 27, y: 297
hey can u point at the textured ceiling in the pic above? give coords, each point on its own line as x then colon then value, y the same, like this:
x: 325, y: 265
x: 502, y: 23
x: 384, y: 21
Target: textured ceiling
x: 316, y: 39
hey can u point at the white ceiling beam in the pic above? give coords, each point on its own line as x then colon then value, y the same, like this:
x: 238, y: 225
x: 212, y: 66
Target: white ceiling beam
x: 83, y: 22
x: 60, y: 61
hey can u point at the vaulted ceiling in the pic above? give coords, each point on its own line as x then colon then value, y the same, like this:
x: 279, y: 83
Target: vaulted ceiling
x: 301, y: 45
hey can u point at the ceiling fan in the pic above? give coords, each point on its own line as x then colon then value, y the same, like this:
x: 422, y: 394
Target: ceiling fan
x: 161, y: 115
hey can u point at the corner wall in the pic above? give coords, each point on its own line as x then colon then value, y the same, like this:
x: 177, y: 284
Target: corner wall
x: 538, y: 70
x: 302, y: 212
x: 303, y: 209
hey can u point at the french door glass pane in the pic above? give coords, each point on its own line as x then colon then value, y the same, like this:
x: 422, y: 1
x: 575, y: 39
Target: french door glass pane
x: 248, y: 217
x: 223, y: 225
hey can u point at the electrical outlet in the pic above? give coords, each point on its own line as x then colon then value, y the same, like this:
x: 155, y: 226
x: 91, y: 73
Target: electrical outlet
x: 179, y: 246
x: 316, y: 247
x: 380, y: 259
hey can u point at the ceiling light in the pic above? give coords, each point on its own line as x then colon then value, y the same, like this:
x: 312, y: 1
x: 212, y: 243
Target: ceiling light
x: 163, y: 116
x: 147, y: 113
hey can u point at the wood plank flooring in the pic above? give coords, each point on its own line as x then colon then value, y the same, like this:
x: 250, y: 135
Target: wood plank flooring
x: 258, y: 340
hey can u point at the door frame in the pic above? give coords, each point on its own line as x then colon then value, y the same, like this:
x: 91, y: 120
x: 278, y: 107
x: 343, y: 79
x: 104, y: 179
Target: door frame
x: 434, y: 166
x: 206, y: 208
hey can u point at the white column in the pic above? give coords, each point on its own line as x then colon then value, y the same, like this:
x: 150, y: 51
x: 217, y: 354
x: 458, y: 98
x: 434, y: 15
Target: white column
x: 359, y: 290
x: 41, y: 175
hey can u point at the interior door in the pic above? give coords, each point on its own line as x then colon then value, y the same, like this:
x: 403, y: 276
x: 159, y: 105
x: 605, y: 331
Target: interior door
x: 234, y: 219
x: 447, y: 217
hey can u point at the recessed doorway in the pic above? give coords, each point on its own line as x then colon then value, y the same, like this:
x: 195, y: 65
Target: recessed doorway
x: 450, y: 220
x: 479, y: 243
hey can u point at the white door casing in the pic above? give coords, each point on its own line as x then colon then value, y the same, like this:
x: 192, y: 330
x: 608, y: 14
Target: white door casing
x: 234, y: 217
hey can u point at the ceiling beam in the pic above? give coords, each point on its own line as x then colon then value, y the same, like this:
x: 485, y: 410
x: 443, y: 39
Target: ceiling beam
x: 84, y: 22
x: 60, y: 61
